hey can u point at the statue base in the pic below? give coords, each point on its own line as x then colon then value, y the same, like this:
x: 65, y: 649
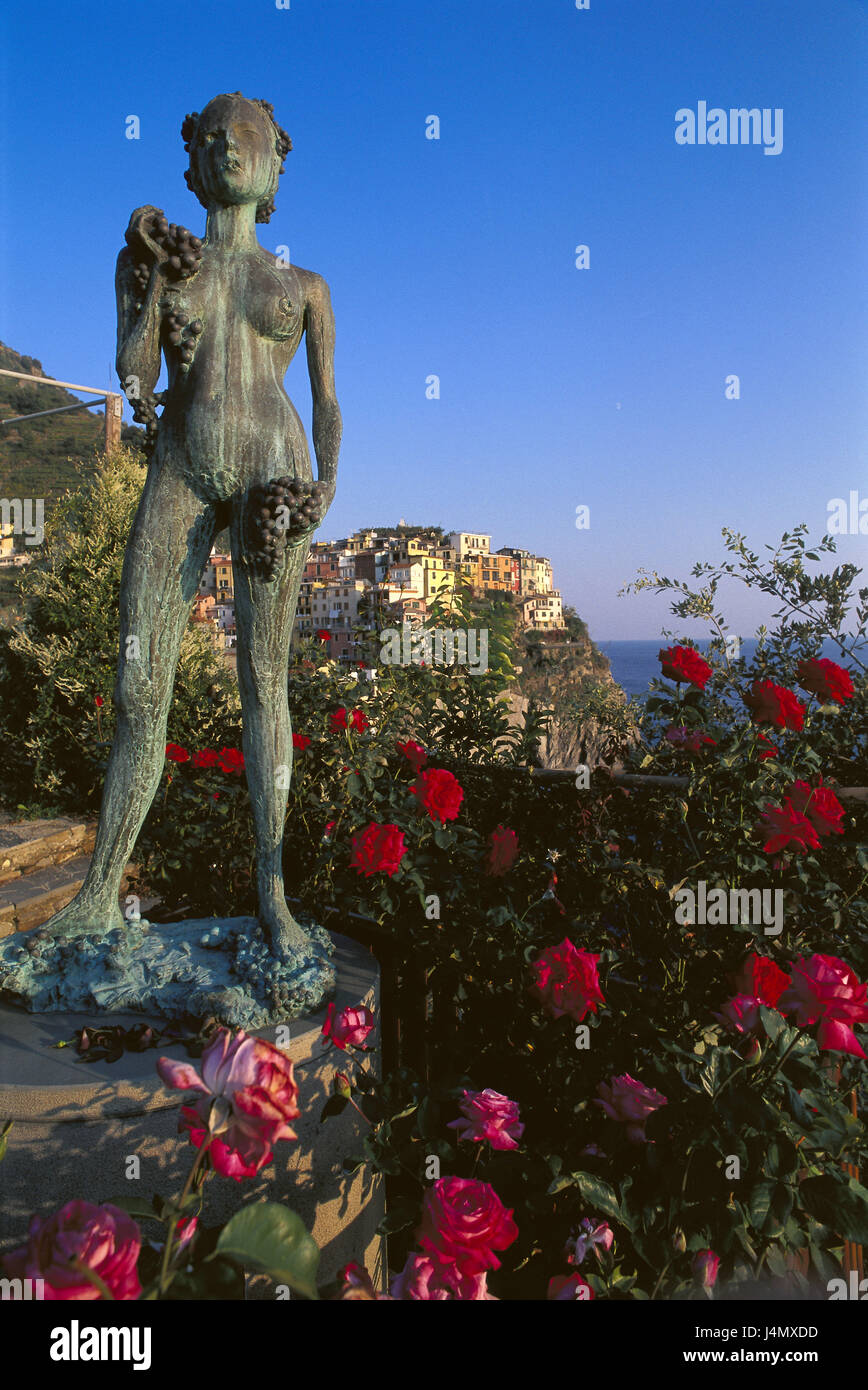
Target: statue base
x: 215, y: 967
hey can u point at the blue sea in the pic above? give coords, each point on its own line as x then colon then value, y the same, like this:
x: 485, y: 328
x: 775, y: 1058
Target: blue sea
x: 634, y: 664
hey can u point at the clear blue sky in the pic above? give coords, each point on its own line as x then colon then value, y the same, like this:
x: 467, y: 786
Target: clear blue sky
x: 559, y: 387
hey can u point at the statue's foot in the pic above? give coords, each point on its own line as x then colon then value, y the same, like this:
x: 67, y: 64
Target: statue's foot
x: 84, y: 916
x: 284, y: 935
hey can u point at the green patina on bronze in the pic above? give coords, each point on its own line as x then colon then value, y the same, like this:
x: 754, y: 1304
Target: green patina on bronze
x: 228, y: 450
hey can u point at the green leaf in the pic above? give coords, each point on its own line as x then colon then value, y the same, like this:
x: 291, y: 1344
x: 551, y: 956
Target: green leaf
x: 335, y: 1105
x: 400, y: 1215
x: 599, y: 1194
x: 773, y: 1022
x: 759, y: 1204
x: 270, y: 1238
x: 4, y: 1137
x: 136, y: 1207
x: 842, y: 1206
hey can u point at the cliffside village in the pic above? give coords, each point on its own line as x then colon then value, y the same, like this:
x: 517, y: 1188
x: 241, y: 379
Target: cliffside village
x: 380, y: 578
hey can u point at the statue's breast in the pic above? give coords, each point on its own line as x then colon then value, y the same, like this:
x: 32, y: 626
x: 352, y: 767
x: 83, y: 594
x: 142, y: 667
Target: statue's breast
x: 272, y: 301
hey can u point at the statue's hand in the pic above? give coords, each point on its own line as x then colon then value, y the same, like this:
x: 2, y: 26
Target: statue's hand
x: 174, y: 250
x: 141, y: 234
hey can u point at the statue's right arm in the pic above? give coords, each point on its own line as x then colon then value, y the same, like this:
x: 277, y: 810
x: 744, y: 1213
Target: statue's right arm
x: 138, y: 347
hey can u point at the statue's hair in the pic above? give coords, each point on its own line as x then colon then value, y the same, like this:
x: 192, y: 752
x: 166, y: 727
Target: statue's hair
x: 282, y: 147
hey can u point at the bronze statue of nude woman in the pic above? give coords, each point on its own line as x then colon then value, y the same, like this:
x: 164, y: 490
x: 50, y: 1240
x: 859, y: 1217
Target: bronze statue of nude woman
x: 228, y: 450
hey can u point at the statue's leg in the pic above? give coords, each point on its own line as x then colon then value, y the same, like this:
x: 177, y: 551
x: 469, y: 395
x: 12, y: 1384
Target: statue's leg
x: 264, y: 612
x: 167, y: 551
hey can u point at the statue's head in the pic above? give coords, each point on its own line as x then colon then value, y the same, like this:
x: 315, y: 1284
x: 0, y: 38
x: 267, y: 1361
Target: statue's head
x: 236, y: 153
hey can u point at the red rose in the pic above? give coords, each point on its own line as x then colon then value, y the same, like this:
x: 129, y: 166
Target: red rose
x: 338, y: 720
x: 787, y: 825
x: 359, y: 720
x: 825, y: 990
x: 503, y: 851
x: 684, y: 664
x: 300, y: 741
x: 439, y: 792
x: 207, y: 758
x: 826, y: 679
x: 760, y: 977
x: 176, y: 754
x: 98, y: 701
x: 324, y: 635
x: 231, y: 760
x: 465, y: 1222
x: 567, y: 981
x: 378, y: 849
x: 414, y: 753
x: 772, y: 704
x: 820, y: 805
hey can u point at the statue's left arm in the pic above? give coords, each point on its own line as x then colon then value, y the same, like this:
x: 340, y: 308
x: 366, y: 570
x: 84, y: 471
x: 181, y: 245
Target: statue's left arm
x: 319, y: 326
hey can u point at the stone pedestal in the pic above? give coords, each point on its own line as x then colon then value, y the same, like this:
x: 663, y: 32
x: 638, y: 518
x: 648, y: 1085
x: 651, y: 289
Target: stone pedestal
x: 77, y: 1125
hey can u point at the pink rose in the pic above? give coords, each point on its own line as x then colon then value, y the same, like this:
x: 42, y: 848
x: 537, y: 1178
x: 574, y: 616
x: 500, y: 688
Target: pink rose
x: 588, y: 1236
x: 629, y: 1102
x: 248, y: 1096
x: 824, y: 989
x: 464, y: 1221
x: 489, y: 1115
x: 102, y: 1239
x: 567, y: 981
x: 570, y: 1287
x: 428, y: 1277
x: 705, y: 1266
x: 741, y: 1014
x: 350, y: 1028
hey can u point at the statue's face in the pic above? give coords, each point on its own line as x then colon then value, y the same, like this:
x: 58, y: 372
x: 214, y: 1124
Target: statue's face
x: 235, y: 152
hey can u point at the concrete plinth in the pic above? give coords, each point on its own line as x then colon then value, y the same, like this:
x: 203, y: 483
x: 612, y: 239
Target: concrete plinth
x: 77, y: 1125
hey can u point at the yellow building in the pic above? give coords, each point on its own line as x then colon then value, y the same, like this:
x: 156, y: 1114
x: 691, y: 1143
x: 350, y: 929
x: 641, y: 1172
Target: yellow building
x: 497, y: 572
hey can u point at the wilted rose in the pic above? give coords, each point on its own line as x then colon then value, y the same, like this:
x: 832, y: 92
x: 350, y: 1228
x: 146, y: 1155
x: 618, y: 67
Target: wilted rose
x: 502, y: 851
x: 586, y: 1238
